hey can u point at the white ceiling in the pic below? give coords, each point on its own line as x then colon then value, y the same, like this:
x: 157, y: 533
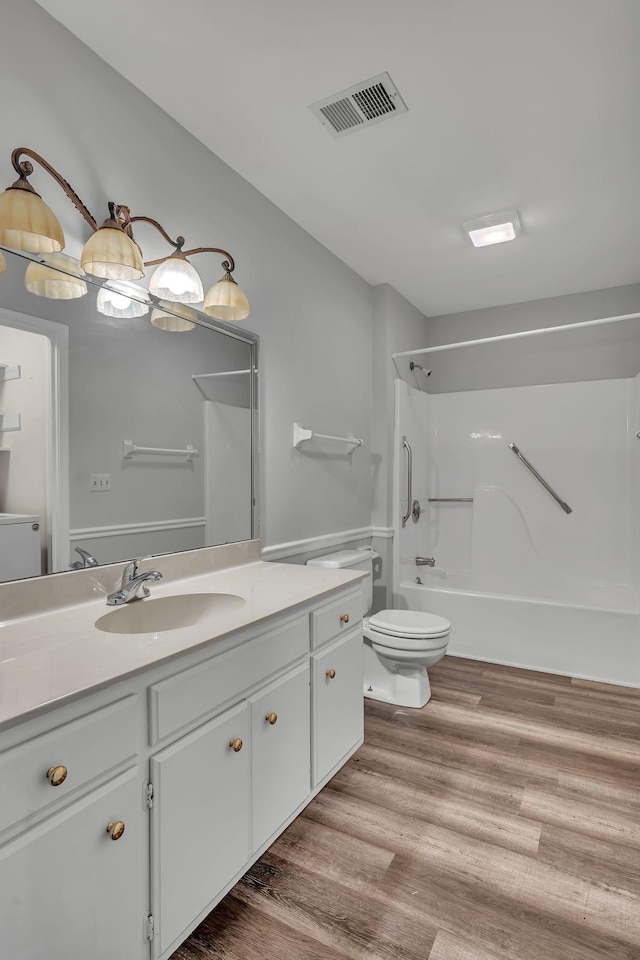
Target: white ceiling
x: 527, y: 104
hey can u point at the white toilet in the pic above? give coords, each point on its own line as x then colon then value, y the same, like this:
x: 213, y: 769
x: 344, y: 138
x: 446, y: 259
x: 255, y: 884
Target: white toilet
x: 398, y: 644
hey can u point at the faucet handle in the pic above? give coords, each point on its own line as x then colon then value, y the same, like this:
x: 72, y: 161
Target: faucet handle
x: 131, y: 570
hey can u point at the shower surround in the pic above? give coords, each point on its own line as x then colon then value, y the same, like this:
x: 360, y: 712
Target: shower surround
x: 522, y: 581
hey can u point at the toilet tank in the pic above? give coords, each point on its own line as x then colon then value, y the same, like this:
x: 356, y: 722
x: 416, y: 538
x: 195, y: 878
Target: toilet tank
x: 361, y: 559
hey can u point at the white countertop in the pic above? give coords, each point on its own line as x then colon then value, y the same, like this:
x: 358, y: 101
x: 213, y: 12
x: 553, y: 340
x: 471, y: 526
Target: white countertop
x: 58, y: 655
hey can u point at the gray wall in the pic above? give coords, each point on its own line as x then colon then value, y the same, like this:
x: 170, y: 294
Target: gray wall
x: 313, y: 314
x: 397, y: 325
x: 604, y: 352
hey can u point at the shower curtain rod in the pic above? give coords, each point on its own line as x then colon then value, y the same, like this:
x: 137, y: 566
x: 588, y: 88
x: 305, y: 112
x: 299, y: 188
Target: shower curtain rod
x: 515, y: 336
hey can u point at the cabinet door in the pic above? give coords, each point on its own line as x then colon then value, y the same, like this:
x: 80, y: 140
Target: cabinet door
x: 338, y: 704
x: 199, y: 822
x: 281, y: 746
x: 68, y: 890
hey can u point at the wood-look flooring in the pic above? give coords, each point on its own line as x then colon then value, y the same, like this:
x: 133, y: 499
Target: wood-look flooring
x: 500, y: 822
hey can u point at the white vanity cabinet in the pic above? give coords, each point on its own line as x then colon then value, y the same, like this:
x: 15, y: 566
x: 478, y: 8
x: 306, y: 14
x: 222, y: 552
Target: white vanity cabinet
x: 205, y: 758
x: 67, y: 887
x: 199, y: 821
x: 280, y: 752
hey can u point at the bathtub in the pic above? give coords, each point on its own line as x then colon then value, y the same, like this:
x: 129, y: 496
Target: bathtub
x: 591, y: 640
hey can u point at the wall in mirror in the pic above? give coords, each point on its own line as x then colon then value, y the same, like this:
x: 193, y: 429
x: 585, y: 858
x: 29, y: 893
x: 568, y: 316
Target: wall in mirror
x: 118, y: 438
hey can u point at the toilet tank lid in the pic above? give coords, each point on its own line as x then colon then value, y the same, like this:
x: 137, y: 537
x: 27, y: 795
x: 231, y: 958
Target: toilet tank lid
x: 344, y: 558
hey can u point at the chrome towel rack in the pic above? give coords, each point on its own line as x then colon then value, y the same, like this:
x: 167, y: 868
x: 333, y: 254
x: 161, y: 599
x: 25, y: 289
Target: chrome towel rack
x: 131, y: 449
x: 565, y: 506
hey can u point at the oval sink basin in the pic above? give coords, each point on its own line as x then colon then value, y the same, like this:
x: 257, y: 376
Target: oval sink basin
x: 158, y: 614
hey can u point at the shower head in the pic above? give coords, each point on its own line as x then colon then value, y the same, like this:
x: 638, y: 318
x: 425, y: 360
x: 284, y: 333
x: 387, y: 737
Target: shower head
x: 417, y: 366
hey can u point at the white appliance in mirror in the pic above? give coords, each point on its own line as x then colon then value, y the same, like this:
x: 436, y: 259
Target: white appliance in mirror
x: 120, y: 437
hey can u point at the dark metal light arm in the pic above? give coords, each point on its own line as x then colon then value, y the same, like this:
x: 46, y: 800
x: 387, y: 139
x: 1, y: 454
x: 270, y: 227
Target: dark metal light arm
x: 229, y: 264
x: 24, y: 169
x: 128, y: 220
x: 178, y: 243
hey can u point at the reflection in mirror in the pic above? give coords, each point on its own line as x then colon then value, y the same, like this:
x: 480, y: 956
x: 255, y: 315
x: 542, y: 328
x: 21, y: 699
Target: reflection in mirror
x: 119, y: 437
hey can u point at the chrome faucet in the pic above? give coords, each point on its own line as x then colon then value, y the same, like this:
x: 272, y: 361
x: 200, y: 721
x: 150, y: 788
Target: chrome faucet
x: 133, y: 584
x: 425, y: 561
x: 87, y: 560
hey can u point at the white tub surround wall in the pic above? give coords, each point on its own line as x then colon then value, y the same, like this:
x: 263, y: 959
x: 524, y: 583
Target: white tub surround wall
x: 193, y: 748
x: 522, y: 581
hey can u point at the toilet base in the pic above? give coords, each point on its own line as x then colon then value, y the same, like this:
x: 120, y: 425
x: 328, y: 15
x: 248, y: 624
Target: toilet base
x: 405, y: 686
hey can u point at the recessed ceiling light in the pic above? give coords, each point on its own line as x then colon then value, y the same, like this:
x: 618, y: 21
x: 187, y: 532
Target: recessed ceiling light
x: 494, y: 228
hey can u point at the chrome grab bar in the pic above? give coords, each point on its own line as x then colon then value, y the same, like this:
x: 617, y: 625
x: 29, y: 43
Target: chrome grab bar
x: 450, y: 499
x: 559, y: 500
x: 405, y: 444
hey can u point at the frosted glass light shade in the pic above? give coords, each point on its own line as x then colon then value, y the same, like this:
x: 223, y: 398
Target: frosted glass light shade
x: 3, y: 263
x: 166, y: 321
x: 226, y: 301
x: 27, y: 223
x: 111, y: 254
x: 177, y: 280
x: 44, y: 281
x: 115, y: 301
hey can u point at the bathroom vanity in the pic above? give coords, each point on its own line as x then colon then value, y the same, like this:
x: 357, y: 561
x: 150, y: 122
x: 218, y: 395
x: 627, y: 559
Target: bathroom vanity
x: 142, y: 773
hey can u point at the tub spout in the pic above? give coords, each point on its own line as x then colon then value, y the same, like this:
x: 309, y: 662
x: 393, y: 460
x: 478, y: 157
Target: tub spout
x: 425, y: 562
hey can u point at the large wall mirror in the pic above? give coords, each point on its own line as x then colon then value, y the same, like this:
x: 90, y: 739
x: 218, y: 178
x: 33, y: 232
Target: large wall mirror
x: 119, y: 437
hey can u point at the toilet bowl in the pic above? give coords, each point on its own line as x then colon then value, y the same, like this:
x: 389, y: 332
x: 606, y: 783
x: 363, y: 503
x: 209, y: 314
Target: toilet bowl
x: 399, y: 645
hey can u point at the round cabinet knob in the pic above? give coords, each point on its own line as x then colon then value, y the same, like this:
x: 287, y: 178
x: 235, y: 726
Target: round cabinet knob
x: 331, y: 673
x: 56, y: 775
x: 271, y: 718
x: 344, y: 618
x: 236, y: 744
x: 115, y: 829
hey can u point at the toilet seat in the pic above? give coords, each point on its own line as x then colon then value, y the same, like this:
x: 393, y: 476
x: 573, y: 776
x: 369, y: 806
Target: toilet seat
x: 407, y: 645
x: 408, y: 625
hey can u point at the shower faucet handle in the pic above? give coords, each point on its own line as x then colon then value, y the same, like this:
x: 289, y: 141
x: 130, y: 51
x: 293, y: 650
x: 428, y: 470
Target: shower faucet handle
x: 425, y: 561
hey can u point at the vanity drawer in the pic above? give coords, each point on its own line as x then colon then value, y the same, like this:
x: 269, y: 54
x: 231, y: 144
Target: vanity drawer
x: 199, y: 691
x: 335, y: 618
x: 86, y: 748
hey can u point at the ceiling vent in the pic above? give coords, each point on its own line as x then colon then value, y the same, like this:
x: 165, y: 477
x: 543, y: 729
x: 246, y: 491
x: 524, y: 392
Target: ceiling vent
x: 359, y: 106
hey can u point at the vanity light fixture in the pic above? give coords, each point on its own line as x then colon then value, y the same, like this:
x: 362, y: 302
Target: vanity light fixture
x: 47, y: 280
x: 494, y: 228
x: 121, y: 300
x: 169, y: 322
x: 176, y: 279
x: 111, y: 253
x: 27, y: 223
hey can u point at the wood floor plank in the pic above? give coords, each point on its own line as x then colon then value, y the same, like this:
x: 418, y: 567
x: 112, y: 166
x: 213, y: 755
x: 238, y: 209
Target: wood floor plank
x: 448, y: 946
x: 235, y: 931
x: 511, y: 876
x: 484, y: 722
x: 613, y: 793
x: 581, y: 816
x: 595, y: 686
x: 441, y: 779
x: 582, y: 855
x: 507, y: 761
x: 496, y: 924
x: 347, y: 921
x: 497, y: 827
x: 500, y: 822
x: 567, y: 717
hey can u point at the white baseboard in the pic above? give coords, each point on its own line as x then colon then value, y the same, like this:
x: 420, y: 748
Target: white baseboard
x: 280, y: 551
